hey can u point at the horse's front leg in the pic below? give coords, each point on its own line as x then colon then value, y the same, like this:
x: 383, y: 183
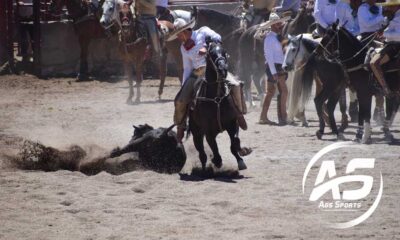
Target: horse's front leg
x: 343, y: 107
x: 233, y: 131
x: 198, y: 141
x: 139, y: 79
x: 319, y: 102
x: 332, y: 101
x: 365, y: 102
x: 128, y: 73
x: 212, y: 142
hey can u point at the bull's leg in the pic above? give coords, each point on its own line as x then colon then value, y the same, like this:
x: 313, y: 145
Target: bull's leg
x: 233, y: 131
x: 217, y: 160
x: 132, y: 146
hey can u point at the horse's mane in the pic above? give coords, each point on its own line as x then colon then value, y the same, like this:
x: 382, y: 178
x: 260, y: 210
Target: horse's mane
x: 353, y: 40
x: 309, y: 44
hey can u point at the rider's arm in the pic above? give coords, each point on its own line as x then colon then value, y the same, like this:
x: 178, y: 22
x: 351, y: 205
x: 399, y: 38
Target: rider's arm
x: 208, y: 32
x: 319, y: 5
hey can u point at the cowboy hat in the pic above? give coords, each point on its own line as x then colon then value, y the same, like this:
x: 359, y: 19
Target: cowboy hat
x: 180, y: 25
x: 273, y: 19
x: 389, y: 3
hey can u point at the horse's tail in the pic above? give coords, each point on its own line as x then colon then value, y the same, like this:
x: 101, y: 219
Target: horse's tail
x: 300, y: 85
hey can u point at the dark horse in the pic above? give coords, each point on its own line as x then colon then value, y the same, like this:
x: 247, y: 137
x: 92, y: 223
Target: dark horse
x: 86, y: 27
x: 228, y: 26
x: 303, y: 54
x: 251, y: 52
x: 214, y: 110
x: 351, y: 54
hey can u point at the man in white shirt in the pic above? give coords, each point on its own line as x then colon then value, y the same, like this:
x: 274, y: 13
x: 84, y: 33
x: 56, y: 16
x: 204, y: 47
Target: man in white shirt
x: 274, y: 56
x: 324, y: 14
x: 288, y: 5
x: 194, y: 52
x: 370, y: 18
x: 346, y: 13
x: 392, y: 48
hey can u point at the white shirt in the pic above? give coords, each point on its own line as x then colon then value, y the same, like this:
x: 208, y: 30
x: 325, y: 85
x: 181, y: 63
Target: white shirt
x: 346, y: 18
x: 191, y: 58
x: 162, y: 3
x: 392, y: 32
x: 324, y: 12
x: 368, y: 21
x: 273, y: 51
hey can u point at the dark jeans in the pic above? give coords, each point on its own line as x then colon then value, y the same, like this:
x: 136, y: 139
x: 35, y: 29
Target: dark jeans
x: 279, y: 70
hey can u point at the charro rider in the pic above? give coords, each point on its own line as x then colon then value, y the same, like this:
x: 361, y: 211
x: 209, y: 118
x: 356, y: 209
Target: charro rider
x: 370, y: 18
x: 346, y: 13
x: 146, y: 11
x: 324, y: 13
x: 391, y: 50
x: 273, y: 53
x: 261, y: 10
x: 194, y: 64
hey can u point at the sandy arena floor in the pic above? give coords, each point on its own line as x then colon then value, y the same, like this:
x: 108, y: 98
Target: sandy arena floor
x: 266, y: 203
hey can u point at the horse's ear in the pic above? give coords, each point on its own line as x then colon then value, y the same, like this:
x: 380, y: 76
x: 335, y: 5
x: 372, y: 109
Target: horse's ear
x: 290, y: 37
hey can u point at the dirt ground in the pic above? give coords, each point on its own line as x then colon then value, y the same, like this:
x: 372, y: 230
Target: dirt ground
x: 265, y: 203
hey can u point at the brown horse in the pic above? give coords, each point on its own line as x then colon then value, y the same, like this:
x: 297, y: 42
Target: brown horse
x: 86, y: 27
x: 133, y: 46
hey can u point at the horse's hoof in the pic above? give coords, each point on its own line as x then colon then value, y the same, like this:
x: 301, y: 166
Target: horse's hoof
x: 137, y: 100
x: 242, y: 165
x: 319, y: 134
x: 389, y: 137
x: 217, y: 162
x: 129, y: 102
x: 340, y: 137
x: 305, y: 124
x: 366, y: 140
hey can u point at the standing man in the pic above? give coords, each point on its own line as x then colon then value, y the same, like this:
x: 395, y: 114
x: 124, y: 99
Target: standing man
x: 370, y: 18
x: 194, y: 52
x: 274, y: 56
x: 146, y: 12
x: 324, y: 14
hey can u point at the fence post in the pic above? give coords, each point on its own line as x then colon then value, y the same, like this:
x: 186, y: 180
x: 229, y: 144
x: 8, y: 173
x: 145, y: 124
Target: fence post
x: 36, y: 38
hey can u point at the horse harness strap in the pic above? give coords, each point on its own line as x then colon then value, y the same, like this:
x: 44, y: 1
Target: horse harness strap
x: 216, y: 100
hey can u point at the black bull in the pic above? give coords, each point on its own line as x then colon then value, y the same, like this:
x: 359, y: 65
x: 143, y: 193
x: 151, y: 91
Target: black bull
x: 158, y: 149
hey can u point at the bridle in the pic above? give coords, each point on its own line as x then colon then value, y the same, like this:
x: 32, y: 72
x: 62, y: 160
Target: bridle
x: 220, y: 80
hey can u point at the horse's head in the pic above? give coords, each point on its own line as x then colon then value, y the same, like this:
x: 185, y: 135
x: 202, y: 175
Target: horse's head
x: 218, y: 59
x: 299, y: 51
x: 110, y: 13
x: 126, y: 17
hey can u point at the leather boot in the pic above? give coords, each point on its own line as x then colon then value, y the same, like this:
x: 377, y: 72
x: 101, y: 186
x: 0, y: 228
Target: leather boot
x: 237, y: 99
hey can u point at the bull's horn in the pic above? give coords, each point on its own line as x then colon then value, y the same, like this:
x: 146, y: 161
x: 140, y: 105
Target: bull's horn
x: 168, y: 129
